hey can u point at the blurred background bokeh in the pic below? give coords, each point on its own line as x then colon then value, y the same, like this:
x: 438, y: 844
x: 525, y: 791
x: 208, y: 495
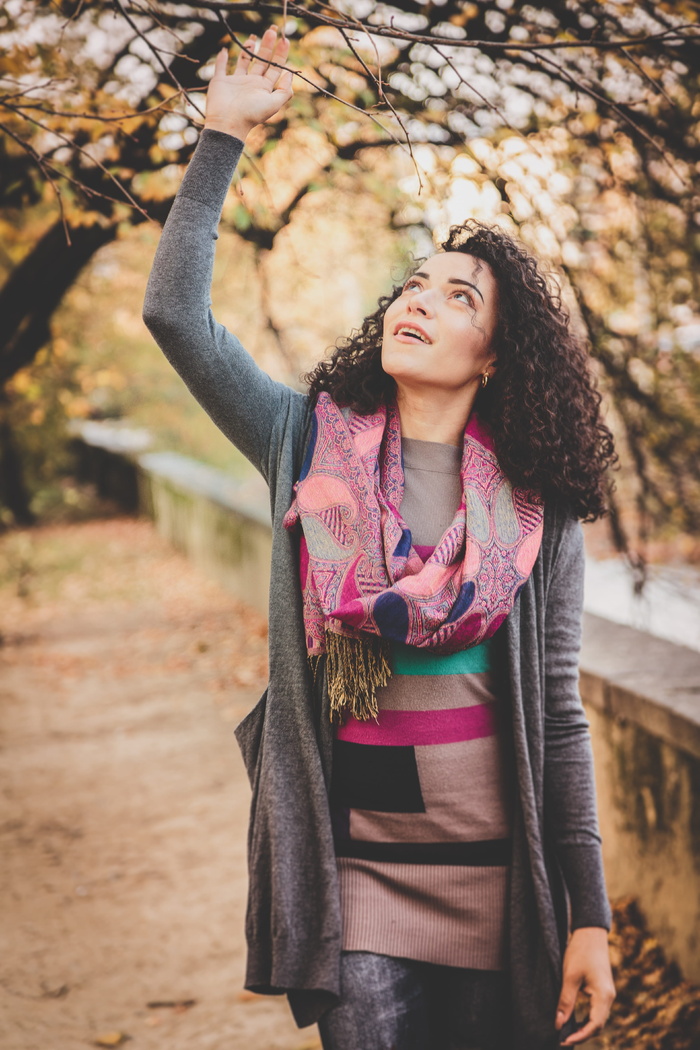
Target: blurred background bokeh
x: 575, y: 124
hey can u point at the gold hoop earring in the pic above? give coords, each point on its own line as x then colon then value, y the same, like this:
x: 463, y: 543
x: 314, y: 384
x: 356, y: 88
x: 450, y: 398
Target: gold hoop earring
x: 484, y: 378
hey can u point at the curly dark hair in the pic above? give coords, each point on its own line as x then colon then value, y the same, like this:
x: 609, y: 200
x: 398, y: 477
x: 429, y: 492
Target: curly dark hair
x: 541, y: 404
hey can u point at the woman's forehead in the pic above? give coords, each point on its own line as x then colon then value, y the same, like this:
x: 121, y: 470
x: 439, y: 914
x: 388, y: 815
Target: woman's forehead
x: 444, y: 265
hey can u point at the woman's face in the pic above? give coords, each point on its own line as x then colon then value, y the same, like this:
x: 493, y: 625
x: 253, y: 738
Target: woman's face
x: 438, y: 334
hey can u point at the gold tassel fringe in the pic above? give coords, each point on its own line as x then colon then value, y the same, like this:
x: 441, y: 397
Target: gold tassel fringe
x: 355, y: 669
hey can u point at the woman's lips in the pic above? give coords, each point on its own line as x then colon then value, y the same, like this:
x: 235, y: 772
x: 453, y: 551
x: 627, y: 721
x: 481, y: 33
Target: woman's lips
x: 403, y: 333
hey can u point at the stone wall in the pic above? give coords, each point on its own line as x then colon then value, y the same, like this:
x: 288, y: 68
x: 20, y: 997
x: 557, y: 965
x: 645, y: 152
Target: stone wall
x: 642, y: 697
x: 221, y: 525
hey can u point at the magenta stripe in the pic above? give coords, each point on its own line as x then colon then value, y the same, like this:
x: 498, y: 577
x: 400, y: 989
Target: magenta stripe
x: 410, y: 728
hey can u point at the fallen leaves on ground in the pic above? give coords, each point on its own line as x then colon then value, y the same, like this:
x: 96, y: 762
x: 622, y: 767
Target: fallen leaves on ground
x: 122, y: 564
x: 112, y: 1039
x: 178, y: 1005
x: 655, y: 1008
x: 249, y: 997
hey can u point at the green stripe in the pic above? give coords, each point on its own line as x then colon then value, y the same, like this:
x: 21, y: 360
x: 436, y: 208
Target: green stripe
x: 407, y: 659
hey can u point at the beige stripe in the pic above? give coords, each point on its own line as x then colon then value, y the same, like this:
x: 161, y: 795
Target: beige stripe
x: 454, y: 916
x: 466, y: 798
x: 425, y: 692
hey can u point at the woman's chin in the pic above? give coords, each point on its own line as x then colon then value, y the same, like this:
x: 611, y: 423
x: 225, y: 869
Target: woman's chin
x: 403, y: 369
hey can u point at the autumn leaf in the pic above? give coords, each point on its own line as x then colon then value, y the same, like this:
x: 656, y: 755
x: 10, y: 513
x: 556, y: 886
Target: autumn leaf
x: 112, y: 1039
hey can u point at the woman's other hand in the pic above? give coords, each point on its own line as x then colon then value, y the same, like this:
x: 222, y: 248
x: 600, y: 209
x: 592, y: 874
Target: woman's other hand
x: 586, y: 967
x: 254, y: 92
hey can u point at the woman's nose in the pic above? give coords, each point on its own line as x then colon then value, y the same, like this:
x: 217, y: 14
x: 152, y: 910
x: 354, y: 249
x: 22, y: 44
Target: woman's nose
x: 422, y: 302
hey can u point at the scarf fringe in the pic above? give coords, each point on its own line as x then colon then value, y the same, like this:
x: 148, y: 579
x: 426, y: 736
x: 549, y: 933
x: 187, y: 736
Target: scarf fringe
x: 355, y: 669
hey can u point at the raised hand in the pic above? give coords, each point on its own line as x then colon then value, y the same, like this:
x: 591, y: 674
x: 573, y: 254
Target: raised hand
x: 254, y: 92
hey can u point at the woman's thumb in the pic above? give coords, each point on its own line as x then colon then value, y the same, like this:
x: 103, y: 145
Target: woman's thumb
x: 567, y: 1001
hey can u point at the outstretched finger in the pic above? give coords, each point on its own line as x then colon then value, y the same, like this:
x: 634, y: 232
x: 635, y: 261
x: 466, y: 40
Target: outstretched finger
x: 267, y: 47
x: 246, y: 56
x: 597, y: 1016
x: 582, y: 1034
x: 220, y: 63
x: 279, y: 57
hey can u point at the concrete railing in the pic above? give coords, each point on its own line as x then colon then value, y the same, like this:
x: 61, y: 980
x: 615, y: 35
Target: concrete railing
x: 642, y: 698
x: 222, y: 524
x: 641, y: 693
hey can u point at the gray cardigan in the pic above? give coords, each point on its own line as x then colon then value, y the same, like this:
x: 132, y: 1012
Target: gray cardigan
x: 293, y: 919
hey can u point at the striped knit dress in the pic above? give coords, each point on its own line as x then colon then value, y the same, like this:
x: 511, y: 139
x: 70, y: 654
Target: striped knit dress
x: 421, y: 800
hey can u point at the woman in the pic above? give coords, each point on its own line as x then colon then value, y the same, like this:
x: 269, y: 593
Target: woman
x: 424, y: 855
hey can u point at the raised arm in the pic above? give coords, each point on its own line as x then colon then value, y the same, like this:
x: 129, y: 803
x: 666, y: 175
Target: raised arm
x: 244, y: 402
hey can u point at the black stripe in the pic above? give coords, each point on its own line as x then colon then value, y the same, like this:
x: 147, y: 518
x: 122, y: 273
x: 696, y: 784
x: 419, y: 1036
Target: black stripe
x: 378, y: 777
x: 493, y: 853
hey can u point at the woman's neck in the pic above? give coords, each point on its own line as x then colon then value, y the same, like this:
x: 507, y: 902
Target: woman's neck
x: 430, y: 418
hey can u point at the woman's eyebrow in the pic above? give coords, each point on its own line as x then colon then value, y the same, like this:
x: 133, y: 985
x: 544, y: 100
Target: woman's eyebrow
x: 453, y: 280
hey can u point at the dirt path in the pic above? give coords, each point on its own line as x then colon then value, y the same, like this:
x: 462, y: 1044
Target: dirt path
x: 123, y: 799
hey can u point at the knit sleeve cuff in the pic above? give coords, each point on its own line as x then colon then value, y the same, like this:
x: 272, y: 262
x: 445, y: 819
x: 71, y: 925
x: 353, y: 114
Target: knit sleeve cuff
x: 211, y: 168
x: 582, y: 868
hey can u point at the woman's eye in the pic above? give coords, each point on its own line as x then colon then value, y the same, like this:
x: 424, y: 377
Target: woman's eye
x: 410, y: 285
x: 465, y: 296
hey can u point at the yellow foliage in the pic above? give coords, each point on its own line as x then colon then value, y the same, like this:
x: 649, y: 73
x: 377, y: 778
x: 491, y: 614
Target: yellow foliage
x: 109, y: 377
x: 685, y: 9
x: 21, y: 381
x: 78, y: 408
x: 468, y: 12
x: 590, y: 120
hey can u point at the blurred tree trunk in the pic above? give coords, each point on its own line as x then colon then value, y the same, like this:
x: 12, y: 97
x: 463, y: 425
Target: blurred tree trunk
x: 13, y: 492
x: 35, y: 288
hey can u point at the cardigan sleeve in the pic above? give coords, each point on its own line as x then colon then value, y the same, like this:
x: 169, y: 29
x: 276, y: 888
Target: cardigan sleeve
x: 570, y: 813
x: 244, y: 402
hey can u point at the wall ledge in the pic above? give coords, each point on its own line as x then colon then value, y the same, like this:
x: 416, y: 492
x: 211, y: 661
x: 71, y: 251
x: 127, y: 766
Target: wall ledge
x: 248, y: 497
x: 640, y: 678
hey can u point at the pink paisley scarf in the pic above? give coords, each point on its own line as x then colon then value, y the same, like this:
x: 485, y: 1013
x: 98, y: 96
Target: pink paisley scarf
x: 363, y: 583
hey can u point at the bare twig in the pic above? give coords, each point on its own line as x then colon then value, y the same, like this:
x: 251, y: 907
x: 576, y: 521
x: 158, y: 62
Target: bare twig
x: 80, y: 149
x: 46, y: 170
x: 273, y: 328
x: 487, y: 102
x: 149, y: 12
x: 683, y: 32
x: 98, y: 117
x: 564, y: 74
x: 658, y: 88
x: 155, y: 52
x: 380, y: 94
x: 315, y: 86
